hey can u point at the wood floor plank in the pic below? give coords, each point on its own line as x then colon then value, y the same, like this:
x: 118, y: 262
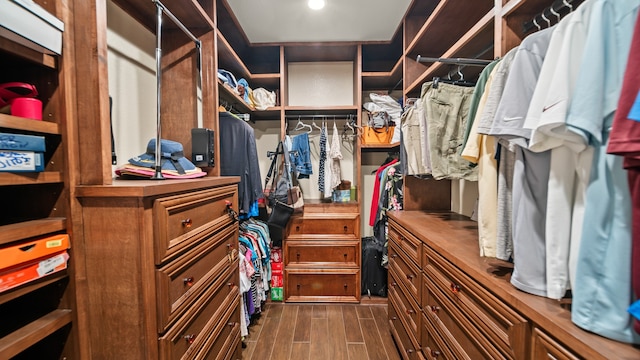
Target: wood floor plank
x: 257, y: 322
x: 319, y: 339
x: 319, y: 312
x: 300, y: 351
x: 351, y: 324
x: 303, y: 324
x: 372, y: 339
x: 275, y: 310
x: 364, y: 312
x: 284, y: 336
x: 358, y: 352
x: 247, y: 352
x: 337, y: 336
x: 265, y: 343
x: 382, y: 322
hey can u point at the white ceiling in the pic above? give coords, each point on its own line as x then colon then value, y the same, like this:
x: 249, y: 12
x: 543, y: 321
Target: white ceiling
x: 278, y: 21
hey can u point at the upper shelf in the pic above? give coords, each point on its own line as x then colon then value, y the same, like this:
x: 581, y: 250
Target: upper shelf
x: 229, y: 60
x: 36, y: 126
x: 189, y: 12
x: 381, y: 80
x: 240, y: 105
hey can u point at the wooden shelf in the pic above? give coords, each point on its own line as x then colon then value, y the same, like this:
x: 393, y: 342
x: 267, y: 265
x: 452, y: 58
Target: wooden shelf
x: 27, y: 229
x: 30, y: 178
x: 469, y: 45
x: 27, y: 53
x: 20, y: 123
x: 229, y: 60
x: 272, y: 113
x: 379, y: 147
x: 32, y: 286
x: 383, y: 80
x: 189, y: 12
x: 23, y: 338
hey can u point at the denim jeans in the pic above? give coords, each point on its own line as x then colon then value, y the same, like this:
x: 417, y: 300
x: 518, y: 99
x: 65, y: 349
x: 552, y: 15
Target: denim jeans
x: 301, y: 157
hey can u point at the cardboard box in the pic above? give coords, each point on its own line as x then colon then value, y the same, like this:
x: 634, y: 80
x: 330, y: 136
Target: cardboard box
x: 28, y: 251
x: 277, y: 294
x: 29, y: 24
x: 21, y: 161
x: 341, y: 196
x: 276, y: 280
x: 22, y: 142
x: 276, y: 267
x: 31, y: 271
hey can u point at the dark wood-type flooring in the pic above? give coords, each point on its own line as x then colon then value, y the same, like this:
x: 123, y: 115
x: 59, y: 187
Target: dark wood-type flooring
x: 320, y: 331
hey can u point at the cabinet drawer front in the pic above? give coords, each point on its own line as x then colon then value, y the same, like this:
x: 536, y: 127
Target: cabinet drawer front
x: 343, y: 254
x: 325, y: 224
x: 433, y: 346
x: 406, y: 308
x: 224, y: 341
x: 183, y: 280
x: 323, y: 285
x: 411, y: 245
x: 191, y: 331
x: 182, y: 220
x: 406, y: 347
x: 464, y: 340
x: 544, y: 347
x: 406, y: 272
x: 502, y: 325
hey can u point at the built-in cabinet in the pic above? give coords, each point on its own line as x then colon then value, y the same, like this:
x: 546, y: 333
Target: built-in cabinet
x: 39, y: 317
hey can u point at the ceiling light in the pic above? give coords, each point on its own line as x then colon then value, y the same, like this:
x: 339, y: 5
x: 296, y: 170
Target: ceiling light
x: 316, y: 4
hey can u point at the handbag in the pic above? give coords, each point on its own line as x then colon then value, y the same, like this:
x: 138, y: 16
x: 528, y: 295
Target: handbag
x: 371, y: 135
x: 294, y: 193
x: 282, y: 198
x: 280, y: 214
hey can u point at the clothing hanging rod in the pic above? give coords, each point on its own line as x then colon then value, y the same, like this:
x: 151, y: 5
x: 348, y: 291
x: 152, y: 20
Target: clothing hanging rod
x: 557, y: 7
x: 176, y: 21
x: 328, y: 117
x: 455, y: 61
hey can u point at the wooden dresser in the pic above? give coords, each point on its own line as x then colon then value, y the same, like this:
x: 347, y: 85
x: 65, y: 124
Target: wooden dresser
x: 160, y: 277
x: 447, y: 302
x: 322, y: 254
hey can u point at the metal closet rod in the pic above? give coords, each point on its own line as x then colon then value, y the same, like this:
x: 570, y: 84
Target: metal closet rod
x: 329, y: 117
x: 455, y: 61
x: 176, y: 21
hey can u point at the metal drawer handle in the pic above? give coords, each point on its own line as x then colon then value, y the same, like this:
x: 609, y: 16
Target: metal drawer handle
x: 394, y: 256
x: 345, y: 286
x: 346, y: 228
x: 231, y: 324
x: 230, y: 284
x: 410, y: 351
x: 189, y: 338
x: 410, y: 276
x: 434, y: 308
x: 410, y: 311
x: 187, y: 223
x: 393, y: 318
x: 232, y: 213
x: 455, y: 288
x: 435, y: 353
x: 188, y: 281
x: 394, y: 284
x: 297, y: 228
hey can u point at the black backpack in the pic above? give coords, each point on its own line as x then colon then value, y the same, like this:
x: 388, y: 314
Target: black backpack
x: 374, y: 275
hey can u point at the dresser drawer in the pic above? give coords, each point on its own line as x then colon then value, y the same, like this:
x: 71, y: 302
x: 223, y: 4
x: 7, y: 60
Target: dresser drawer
x: 463, y: 339
x: 325, y: 224
x: 223, y: 342
x: 433, y: 346
x: 188, y: 334
x: 411, y: 245
x: 501, y: 325
x: 408, y: 349
x: 183, y: 220
x: 544, y: 347
x: 405, y: 271
x: 321, y: 285
x: 183, y: 280
x: 407, y: 308
x: 309, y: 254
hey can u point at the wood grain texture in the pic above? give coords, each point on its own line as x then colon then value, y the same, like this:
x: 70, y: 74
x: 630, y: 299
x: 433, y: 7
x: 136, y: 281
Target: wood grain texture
x: 303, y: 324
x: 351, y: 324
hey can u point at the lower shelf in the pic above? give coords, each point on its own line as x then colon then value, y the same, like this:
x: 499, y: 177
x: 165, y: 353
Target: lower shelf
x: 25, y: 337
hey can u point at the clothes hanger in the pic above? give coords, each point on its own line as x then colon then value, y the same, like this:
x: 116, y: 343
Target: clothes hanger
x: 535, y: 22
x: 567, y: 4
x: 555, y: 13
x: 313, y: 123
x: 546, y: 19
x: 301, y: 126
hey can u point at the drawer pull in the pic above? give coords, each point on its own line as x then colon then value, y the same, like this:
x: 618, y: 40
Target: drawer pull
x: 455, y: 288
x: 435, y: 353
x: 297, y: 228
x: 410, y: 311
x: 230, y: 284
x: 188, y: 281
x: 394, y: 284
x: 434, y: 308
x: 232, y: 213
x: 345, y: 286
x: 187, y: 223
x: 346, y: 229
x: 231, y: 324
x: 393, y: 256
x: 409, y: 351
x: 298, y: 255
x: 189, y: 338
x: 394, y: 318
x: 410, y: 276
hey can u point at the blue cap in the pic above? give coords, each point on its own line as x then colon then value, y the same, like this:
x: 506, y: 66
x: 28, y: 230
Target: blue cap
x: 171, y: 153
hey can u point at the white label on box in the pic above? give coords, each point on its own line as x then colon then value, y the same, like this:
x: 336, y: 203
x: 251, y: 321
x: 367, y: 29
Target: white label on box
x: 48, y: 265
x: 17, y: 160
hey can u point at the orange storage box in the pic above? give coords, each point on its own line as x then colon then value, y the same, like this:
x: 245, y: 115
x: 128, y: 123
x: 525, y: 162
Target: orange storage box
x: 33, y: 270
x: 27, y: 251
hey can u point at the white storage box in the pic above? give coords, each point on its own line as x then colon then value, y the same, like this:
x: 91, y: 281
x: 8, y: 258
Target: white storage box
x: 27, y: 23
